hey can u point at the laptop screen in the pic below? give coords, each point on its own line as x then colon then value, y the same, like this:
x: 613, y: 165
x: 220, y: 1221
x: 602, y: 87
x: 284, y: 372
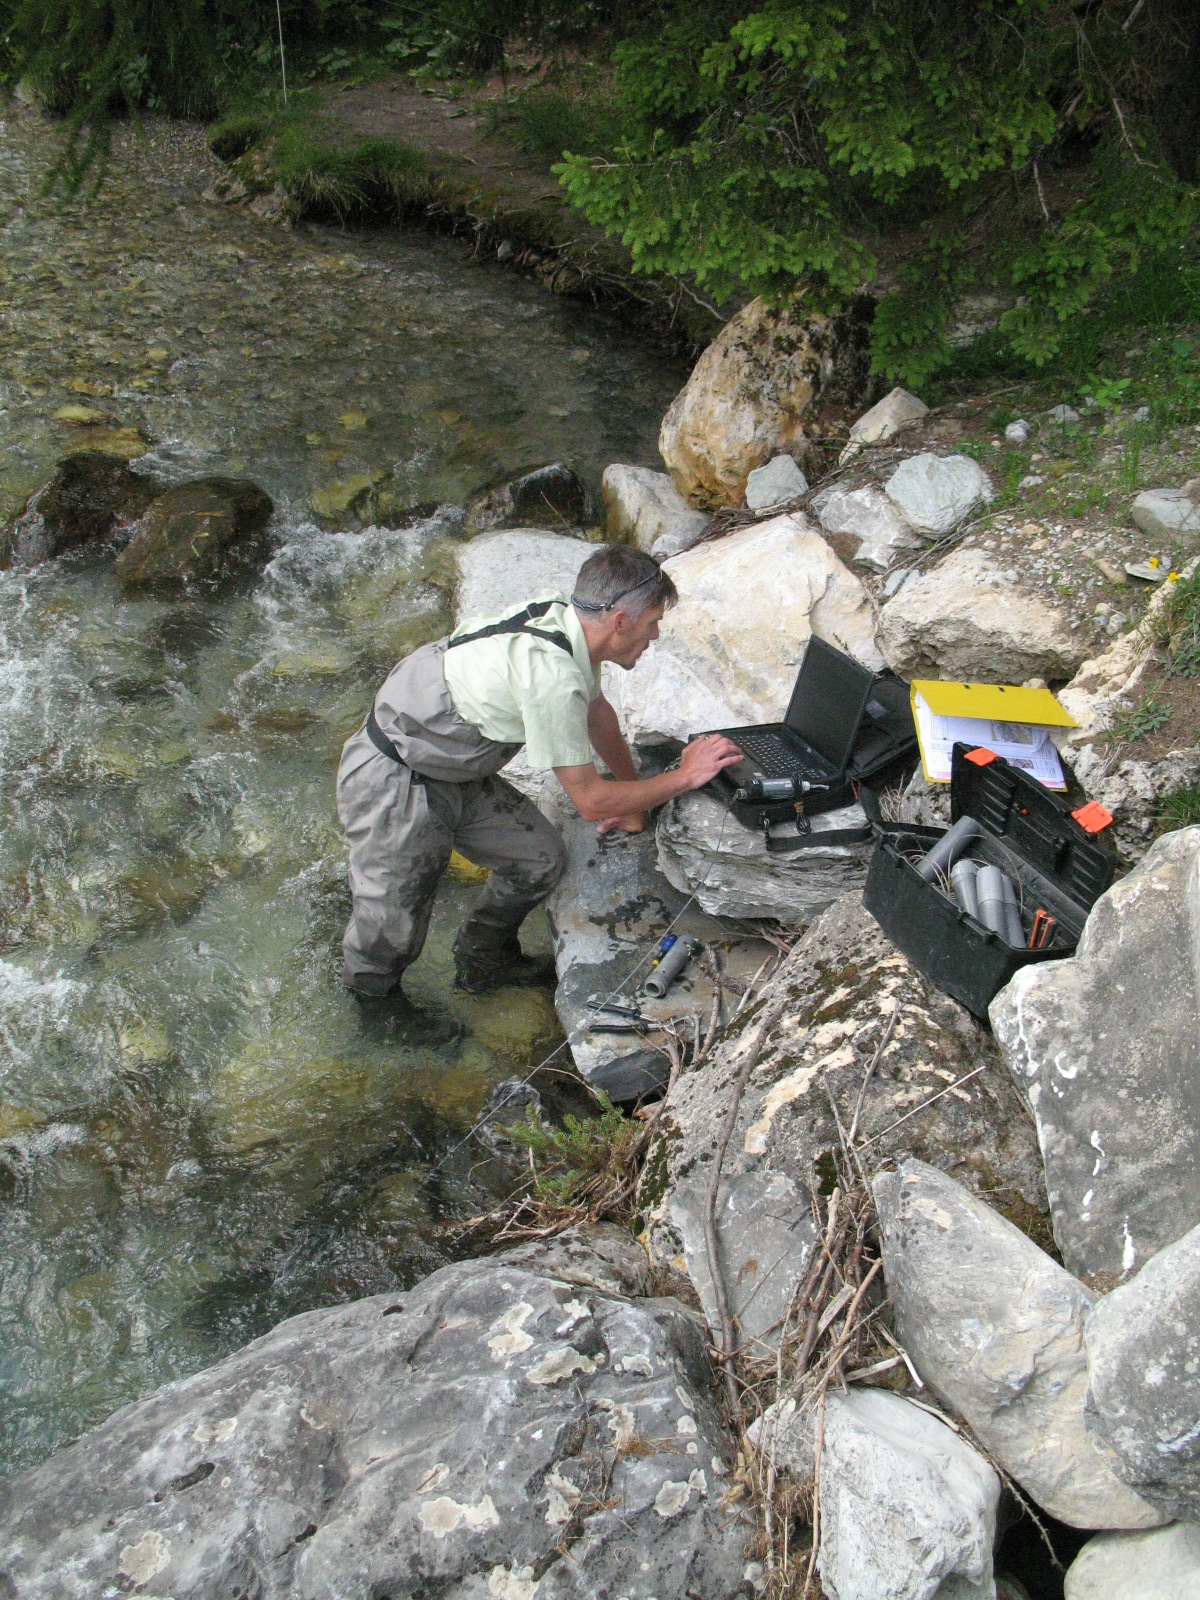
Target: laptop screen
x: 828, y: 699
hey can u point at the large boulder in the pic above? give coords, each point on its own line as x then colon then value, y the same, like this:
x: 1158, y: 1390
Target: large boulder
x: 499, y: 570
x: 908, y: 1507
x: 728, y: 653
x: 965, y: 620
x: 869, y: 517
x: 1162, y: 1565
x: 996, y: 1328
x: 1106, y: 1048
x: 936, y: 494
x: 607, y: 912
x: 85, y: 498
x: 837, y: 992
x: 703, y: 850
x: 886, y: 418
x: 188, y: 533
x: 496, y: 1430
x: 1143, y: 1349
x: 641, y: 507
x: 542, y: 495
x: 747, y: 398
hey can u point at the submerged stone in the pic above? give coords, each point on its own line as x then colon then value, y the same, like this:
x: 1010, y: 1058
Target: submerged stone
x: 187, y: 532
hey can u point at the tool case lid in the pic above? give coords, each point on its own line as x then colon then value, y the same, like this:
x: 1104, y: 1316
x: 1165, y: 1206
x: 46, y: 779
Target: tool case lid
x: 1035, y: 824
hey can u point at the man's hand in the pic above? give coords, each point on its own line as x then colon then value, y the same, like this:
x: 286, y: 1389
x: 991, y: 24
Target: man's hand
x: 705, y: 757
x: 622, y: 824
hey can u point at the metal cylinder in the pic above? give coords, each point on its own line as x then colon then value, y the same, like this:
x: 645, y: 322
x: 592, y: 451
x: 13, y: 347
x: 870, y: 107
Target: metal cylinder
x: 962, y: 881
x: 948, y: 846
x: 668, y: 969
x: 989, y: 893
x: 1012, y: 914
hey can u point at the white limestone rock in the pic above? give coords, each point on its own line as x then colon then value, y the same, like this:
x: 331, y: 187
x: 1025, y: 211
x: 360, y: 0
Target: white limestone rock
x: 775, y: 484
x: 748, y: 394
x: 1162, y: 1565
x: 1167, y: 515
x: 1143, y: 1350
x: 870, y: 516
x: 908, y: 1507
x: 496, y: 570
x: 996, y: 1328
x: 703, y: 849
x: 936, y: 494
x: 888, y: 417
x: 1065, y: 416
x: 1105, y: 1046
x: 728, y: 653
x: 1017, y: 432
x: 644, y: 508
x: 965, y: 620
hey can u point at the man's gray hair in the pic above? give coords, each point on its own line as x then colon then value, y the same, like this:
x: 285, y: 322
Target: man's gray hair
x: 621, y: 577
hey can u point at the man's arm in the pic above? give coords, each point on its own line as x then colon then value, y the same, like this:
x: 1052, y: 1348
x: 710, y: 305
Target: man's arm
x: 608, y: 742
x: 598, y: 799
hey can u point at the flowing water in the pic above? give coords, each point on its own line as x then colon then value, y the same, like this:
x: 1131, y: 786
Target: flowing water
x: 199, y: 1133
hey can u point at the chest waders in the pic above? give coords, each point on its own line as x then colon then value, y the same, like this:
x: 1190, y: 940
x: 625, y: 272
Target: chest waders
x: 436, y: 790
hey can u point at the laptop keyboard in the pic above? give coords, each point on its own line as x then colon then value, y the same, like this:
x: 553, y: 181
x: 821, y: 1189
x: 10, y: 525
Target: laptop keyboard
x: 774, y: 758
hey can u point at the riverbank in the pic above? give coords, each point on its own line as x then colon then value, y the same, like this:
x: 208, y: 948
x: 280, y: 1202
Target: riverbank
x: 450, y: 157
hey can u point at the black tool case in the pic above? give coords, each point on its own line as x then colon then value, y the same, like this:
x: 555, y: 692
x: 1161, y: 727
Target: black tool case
x: 884, y: 754
x: 1029, y: 833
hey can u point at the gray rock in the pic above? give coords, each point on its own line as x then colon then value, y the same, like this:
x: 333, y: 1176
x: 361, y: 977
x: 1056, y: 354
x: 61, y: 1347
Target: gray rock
x: 1063, y: 415
x: 765, y: 1236
x: 703, y: 849
x: 1167, y: 515
x: 965, y: 620
x: 936, y: 494
x: 869, y: 516
x: 1106, y: 1048
x: 775, y: 484
x: 541, y: 496
x: 84, y: 500
x: 1132, y: 791
x: 646, y: 509
x: 498, y: 570
x: 493, y: 1431
x: 923, y: 803
x: 1017, y: 432
x: 605, y: 917
x: 188, y: 533
x: 1163, y: 1565
x: 996, y: 1328
x: 1143, y: 1350
x: 1031, y: 480
x: 888, y: 417
x: 838, y: 990
x: 908, y: 1508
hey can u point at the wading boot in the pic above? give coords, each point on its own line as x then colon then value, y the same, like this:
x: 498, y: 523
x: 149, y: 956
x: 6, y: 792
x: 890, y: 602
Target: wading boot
x: 392, y: 1018
x: 476, y: 972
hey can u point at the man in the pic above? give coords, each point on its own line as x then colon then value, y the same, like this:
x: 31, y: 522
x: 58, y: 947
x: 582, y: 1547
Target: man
x: 419, y: 779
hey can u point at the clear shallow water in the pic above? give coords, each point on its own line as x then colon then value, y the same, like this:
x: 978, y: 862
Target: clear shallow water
x: 199, y: 1133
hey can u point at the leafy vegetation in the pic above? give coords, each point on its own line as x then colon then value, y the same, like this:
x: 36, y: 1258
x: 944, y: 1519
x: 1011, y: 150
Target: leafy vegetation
x: 1179, y: 809
x: 572, y: 1163
x: 1132, y: 723
x: 1177, y: 627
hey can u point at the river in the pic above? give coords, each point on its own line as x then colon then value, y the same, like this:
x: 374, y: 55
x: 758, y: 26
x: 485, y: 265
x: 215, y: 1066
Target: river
x: 199, y: 1132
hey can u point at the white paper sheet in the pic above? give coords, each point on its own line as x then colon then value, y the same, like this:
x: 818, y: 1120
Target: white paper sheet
x: 1023, y: 744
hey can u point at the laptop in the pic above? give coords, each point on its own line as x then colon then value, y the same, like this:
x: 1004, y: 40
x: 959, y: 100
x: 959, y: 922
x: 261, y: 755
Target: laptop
x: 816, y: 737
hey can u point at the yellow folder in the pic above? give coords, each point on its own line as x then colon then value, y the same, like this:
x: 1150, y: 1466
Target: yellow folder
x: 991, y: 702
x: 1008, y: 720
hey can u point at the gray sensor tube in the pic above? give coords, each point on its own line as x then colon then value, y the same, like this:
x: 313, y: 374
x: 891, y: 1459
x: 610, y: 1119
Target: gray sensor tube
x: 989, y: 892
x: 948, y: 846
x: 669, y: 968
x: 1012, y: 913
x: 962, y: 881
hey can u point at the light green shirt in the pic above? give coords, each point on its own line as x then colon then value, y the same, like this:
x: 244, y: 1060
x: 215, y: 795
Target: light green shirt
x: 519, y: 689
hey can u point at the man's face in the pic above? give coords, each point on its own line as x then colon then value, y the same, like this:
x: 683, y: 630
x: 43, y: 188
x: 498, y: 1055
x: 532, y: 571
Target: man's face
x: 631, y: 639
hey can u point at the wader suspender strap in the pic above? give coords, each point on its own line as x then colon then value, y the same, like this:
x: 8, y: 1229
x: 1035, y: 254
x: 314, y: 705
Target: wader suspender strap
x: 517, y: 625
x: 509, y: 625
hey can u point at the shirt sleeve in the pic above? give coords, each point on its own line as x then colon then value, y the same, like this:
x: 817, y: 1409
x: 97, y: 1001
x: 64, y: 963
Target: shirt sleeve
x: 553, y: 698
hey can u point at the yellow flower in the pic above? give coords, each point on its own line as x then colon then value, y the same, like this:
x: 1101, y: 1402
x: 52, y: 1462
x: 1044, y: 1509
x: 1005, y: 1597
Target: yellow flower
x: 1153, y: 561
x: 1172, y: 577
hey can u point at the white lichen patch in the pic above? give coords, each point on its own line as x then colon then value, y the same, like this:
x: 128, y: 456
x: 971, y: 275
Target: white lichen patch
x: 778, y: 1095
x: 672, y: 1498
x: 562, y: 1497
x: 576, y: 1311
x: 559, y: 1364
x: 443, y: 1515
x: 623, y: 1425
x: 146, y: 1559
x: 507, y: 1334
x: 685, y: 1425
x: 641, y: 1365
x: 517, y: 1584
x: 434, y: 1478
x: 214, y: 1432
